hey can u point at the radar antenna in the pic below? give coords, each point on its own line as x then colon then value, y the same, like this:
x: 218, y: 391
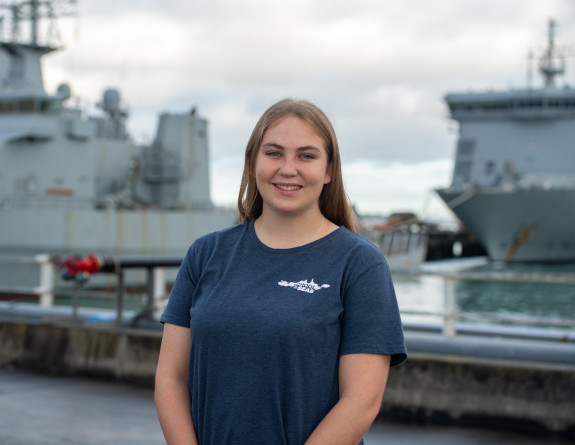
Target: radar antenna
x: 552, y: 63
x: 34, y: 10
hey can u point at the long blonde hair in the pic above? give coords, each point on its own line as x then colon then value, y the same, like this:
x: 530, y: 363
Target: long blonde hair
x: 333, y: 201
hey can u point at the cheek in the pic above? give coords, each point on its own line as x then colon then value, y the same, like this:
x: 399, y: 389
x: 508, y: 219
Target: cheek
x: 259, y: 173
x: 256, y: 168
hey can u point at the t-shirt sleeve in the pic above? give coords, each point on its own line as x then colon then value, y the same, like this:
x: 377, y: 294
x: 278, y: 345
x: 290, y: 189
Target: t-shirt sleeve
x: 371, y: 321
x: 179, y: 303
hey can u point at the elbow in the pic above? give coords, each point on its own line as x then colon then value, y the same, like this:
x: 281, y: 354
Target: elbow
x: 167, y: 385
x: 373, y: 407
x: 158, y: 390
x: 365, y: 408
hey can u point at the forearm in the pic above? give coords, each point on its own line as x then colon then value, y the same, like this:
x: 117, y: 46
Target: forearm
x: 362, y: 380
x: 174, y: 411
x: 346, y: 423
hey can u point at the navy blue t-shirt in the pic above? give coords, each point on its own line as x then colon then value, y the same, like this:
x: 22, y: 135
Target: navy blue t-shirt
x: 268, y: 327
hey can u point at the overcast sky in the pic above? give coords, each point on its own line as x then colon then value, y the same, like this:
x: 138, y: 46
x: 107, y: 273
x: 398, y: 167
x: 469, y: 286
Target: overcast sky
x: 379, y: 68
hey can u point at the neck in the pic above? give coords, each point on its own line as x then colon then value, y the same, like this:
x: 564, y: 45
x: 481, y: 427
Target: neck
x: 282, y: 232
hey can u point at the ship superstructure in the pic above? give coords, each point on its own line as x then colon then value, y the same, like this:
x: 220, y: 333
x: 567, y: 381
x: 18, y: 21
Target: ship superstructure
x: 513, y: 182
x: 71, y: 183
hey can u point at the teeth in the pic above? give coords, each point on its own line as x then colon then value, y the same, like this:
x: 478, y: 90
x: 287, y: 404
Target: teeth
x: 288, y: 187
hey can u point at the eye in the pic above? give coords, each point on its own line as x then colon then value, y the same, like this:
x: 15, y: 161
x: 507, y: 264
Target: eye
x: 307, y: 156
x: 272, y: 154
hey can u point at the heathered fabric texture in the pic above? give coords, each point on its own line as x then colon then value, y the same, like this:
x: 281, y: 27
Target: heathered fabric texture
x: 268, y: 327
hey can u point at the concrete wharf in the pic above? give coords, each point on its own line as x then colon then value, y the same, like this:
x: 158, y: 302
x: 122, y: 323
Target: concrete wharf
x: 466, y: 379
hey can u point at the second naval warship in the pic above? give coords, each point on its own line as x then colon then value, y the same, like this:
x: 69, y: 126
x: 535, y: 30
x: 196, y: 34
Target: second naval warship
x: 513, y: 183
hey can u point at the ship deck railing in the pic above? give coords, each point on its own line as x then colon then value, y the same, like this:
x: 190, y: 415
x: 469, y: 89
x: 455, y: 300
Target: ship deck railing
x: 154, y: 292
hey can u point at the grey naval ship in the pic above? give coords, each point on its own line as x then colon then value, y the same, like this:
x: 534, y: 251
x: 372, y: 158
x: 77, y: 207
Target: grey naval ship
x: 71, y: 183
x: 513, y: 181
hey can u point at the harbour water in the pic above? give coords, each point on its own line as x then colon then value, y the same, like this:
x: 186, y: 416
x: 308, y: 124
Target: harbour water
x: 509, y: 303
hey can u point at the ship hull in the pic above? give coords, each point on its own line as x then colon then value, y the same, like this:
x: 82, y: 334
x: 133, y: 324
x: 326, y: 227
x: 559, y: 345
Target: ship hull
x: 107, y: 232
x: 535, y: 225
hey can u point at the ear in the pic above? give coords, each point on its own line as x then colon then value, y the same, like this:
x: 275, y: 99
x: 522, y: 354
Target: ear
x: 328, y: 173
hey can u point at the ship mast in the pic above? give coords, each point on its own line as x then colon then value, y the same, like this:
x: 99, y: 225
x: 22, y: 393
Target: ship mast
x: 552, y: 63
x: 34, y: 21
x: 34, y: 10
x: 24, y: 72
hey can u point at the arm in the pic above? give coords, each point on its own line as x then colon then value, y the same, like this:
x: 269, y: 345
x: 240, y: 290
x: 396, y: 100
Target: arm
x: 171, y: 392
x: 362, y: 380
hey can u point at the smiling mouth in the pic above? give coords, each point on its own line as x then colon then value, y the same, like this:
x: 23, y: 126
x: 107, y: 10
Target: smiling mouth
x: 288, y: 188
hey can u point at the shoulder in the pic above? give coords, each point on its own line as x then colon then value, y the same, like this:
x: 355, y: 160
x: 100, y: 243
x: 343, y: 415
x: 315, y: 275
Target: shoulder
x: 357, y: 247
x: 354, y: 239
x: 357, y: 257
x: 226, y: 235
x: 205, y: 245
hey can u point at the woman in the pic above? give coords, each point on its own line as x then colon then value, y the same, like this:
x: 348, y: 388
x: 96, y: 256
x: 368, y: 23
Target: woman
x: 282, y: 329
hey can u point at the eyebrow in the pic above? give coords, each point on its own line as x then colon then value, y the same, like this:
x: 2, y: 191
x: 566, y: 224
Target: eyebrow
x: 304, y: 148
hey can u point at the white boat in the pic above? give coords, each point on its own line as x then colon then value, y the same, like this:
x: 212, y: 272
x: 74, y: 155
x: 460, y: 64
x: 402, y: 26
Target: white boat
x: 401, y: 238
x: 513, y: 182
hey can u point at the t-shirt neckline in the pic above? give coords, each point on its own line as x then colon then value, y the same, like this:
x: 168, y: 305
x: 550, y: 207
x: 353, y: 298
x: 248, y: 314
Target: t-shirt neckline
x: 253, y: 236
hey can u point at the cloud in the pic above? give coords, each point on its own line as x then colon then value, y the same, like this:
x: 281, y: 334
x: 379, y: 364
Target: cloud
x: 384, y: 188
x: 380, y: 69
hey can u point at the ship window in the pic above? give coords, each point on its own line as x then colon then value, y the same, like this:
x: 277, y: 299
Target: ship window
x: 464, y: 159
x: 26, y: 105
x: 6, y: 107
x: 465, y: 147
x: 463, y: 170
x: 50, y: 106
x: 29, y: 106
x: 531, y: 104
x: 489, y: 167
x: 495, y: 107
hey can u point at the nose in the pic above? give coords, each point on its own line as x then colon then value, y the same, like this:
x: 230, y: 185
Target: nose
x: 288, y: 167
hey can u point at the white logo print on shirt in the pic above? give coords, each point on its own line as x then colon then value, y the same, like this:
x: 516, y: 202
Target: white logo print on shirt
x: 304, y: 286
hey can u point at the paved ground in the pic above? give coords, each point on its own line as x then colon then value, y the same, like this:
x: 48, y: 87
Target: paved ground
x: 43, y: 410
x: 40, y: 410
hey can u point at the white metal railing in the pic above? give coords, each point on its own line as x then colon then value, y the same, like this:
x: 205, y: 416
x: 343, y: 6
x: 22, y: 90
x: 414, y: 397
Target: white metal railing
x: 157, y: 290
x: 45, y: 289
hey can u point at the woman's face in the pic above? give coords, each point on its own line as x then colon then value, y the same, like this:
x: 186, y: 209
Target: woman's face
x: 291, y: 167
